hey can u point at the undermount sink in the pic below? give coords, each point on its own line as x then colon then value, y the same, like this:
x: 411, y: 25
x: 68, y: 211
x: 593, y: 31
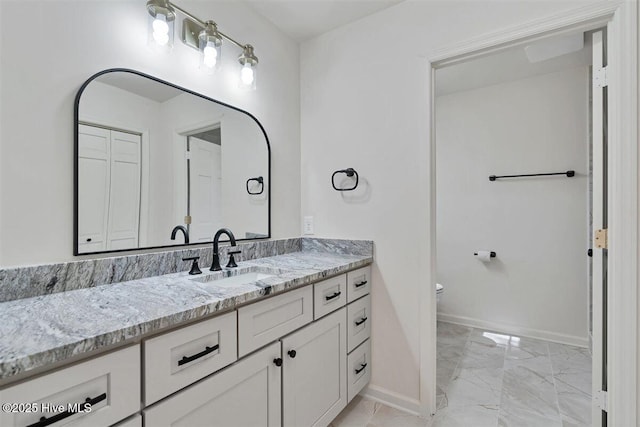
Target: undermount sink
x: 231, y: 278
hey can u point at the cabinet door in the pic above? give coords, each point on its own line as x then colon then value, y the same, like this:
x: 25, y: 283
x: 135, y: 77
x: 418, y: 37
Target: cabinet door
x: 314, y: 383
x: 245, y: 394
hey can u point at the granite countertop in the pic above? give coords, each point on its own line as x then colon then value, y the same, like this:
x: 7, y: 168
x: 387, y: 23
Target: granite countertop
x: 38, y: 331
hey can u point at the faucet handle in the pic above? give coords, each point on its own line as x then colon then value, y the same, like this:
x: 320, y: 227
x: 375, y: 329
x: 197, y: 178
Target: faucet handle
x: 232, y: 261
x: 195, y: 269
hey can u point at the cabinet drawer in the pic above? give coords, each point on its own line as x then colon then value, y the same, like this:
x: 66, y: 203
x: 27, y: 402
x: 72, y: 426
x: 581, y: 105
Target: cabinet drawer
x: 329, y: 295
x: 174, y: 360
x: 358, y: 283
x: 266, y: 321
x: 358, y: 322
x: 111, y: 381
x: 359, y: 367
x: 246, y: 394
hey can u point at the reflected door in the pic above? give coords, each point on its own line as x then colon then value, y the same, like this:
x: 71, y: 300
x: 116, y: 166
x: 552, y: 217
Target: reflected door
x: 108, y: 189
x: 205, y: 189
x: 93, y: 187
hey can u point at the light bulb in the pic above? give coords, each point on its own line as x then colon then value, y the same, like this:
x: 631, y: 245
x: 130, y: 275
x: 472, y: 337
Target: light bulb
x: 246, y: 75
x: 160, y: 24
x: 210, y: 55
x: 161, y: 30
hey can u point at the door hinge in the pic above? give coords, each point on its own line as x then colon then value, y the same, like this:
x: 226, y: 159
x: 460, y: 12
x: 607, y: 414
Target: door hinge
x: 602, y: 400
x: 601, y: 240
x: 187, y: 155
x: 600, y: 77
x: 187, y: 219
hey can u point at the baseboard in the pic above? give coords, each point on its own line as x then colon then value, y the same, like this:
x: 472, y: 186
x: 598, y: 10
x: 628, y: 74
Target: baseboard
x: 390, y: 398
x: 516, y: 330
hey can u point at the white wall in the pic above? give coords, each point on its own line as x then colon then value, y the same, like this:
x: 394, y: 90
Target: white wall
x: 40, y: 76
x: 363, y: 106
x: 538, y: 227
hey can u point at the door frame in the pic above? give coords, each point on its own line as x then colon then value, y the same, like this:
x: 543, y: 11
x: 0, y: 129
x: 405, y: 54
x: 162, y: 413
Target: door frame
x: 620, y: 18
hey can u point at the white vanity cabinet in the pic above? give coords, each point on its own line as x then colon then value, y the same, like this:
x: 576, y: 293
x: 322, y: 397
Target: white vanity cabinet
x: 292, y: 360
x: 246, y: 394
x: 314, y: 387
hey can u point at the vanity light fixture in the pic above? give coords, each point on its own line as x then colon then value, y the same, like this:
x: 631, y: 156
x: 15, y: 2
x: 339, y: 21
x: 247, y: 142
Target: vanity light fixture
x: 200, y: 35
x: 161, y: 20
x: 249, y: 63
x: 209, y: 44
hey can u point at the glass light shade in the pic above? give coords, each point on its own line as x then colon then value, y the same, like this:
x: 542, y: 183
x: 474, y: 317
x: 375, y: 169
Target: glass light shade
x: 209, y: 43
x: 161, y: 25
x: 248, y: 68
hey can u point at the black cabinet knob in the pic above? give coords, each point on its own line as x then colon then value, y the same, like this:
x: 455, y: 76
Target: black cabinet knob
x: 292, y: 354
x: 277, y: 361
x: 89, y: 239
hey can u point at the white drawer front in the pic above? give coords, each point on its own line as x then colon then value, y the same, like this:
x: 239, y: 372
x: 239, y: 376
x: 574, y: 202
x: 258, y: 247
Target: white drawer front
x: 112, y: 381
x: 176, y: 359
x: 358, y: 283
x: 358, y: 322
x: 329, y: 295
x: 359, y: 367
x: 266, y: 321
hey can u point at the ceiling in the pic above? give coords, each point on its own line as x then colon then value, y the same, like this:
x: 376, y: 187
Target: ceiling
x: 141, y: 86
x: 507, y: 65
x: 305, y: 19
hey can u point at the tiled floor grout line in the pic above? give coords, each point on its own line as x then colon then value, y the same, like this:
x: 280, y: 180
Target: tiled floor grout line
x: 553, y: 378
x: 464, y: 347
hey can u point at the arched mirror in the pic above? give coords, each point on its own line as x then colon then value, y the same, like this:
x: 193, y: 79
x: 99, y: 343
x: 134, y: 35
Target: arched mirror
x: 152, y: 158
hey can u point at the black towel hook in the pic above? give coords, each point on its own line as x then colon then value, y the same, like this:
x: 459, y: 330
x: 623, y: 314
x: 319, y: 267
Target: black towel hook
x: 350, y: 172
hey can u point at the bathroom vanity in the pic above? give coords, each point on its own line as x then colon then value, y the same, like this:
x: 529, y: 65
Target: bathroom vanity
x: 279, y: 340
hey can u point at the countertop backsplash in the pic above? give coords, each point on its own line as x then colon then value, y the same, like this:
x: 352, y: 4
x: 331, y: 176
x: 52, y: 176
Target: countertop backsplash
x: 30, y: 281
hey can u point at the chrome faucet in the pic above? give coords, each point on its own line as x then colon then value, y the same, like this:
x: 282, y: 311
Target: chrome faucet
x: 184, y: 231
x: 215, y: 265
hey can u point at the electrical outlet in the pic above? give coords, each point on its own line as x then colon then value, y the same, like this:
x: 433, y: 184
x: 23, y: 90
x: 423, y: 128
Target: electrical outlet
x: 307, y: 227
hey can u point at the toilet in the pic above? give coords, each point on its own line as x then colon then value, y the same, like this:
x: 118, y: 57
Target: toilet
x: 439, y: 291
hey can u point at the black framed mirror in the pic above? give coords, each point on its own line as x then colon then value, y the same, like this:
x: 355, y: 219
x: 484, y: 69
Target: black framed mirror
x: 153, y: 161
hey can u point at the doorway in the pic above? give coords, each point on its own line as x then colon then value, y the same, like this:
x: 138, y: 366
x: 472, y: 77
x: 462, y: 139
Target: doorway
x: 512, y: 186
x: 620, y: 402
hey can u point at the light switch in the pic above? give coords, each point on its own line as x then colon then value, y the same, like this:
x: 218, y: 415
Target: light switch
x: 307, y: 227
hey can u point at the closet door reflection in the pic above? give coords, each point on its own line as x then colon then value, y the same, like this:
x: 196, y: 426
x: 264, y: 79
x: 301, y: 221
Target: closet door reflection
x: 109, y: 189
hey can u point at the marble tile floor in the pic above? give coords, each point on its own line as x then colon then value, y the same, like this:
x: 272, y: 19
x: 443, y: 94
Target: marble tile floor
x: 490, y: 379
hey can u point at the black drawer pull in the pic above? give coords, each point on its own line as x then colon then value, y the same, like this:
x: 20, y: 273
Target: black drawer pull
x: 207, y: 350
x: 361, y: 321
x: 335, y: 295
x: 44, y: 421
x: 292, y: 353
x: 361, y: 284
x: 277, y: 361
x: 362, y: 366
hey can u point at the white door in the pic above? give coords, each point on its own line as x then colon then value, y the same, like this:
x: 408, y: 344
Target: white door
x: 93, y: 187
x: 246, y: 394
x: 124, y: 191
x: 314, y: 376
x: 599, y: 215
x: 205, y: 189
